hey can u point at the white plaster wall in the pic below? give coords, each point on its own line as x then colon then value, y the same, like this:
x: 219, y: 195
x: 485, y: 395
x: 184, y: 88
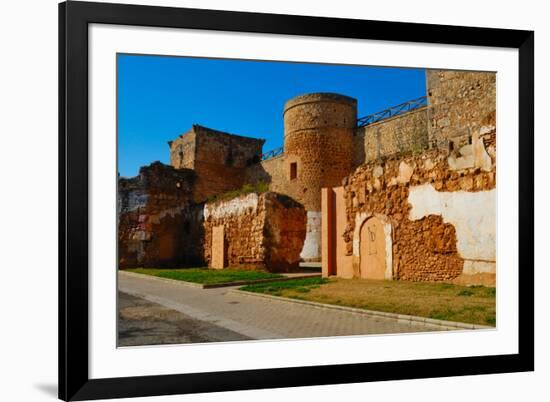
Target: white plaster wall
x: 478, y: 267
x: 473, y: 214
x: 235, y: 206
x: 312, y: 242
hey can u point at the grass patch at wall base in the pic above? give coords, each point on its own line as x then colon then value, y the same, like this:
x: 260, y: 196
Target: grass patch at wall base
x: 443, y: 301
x: 206, y: 275
x: 301, y: 286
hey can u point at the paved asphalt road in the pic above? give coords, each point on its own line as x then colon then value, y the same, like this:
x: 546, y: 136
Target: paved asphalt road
x: 141, y: 322
x: 169, y: 312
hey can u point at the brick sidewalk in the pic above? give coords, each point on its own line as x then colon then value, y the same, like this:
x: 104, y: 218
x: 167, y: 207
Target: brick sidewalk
x: 256, y: 317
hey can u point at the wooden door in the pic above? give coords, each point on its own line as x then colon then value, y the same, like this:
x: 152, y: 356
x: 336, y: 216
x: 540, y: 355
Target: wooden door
x: 372, y: 250
x: 218, y: 248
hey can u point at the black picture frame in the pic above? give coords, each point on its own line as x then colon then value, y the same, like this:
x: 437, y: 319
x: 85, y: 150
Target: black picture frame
x: 74, y: 18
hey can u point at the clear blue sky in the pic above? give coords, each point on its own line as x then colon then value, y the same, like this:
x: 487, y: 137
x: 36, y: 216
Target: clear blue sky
x: 160, y: 98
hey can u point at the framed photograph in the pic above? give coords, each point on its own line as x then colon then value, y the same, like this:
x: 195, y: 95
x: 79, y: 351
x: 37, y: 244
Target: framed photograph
x: 259, y: 201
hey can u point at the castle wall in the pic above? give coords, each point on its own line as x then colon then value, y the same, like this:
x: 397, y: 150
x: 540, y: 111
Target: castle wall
x: 158, y: 224
x: 219, y: 159
x: 442, y: 221
x: 214, y: 179
x: 272, y: 171
x: 318, y: 140
x: 269, y: 171
x: 460, y: 104
x: 427, y: 176
x: 407, y: 132
x: 183, y: 151
x: 261, y: 230
x: 226, y: 149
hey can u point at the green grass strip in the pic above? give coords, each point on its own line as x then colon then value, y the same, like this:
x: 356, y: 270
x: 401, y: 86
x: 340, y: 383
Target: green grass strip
x: 205, y: 275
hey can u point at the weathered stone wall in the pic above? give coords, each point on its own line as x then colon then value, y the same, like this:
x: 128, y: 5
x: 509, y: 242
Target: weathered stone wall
x: 442, y: 219
x: 243, y: 221
x: 158, y: 223
x: 261, y: 230
x: 214, y: 179
x: 318, y: 139
x: 272, y: 171
x: 269, y: 171
x: 218, y: 147
x: 219, y: 159
x: 318, y: 142
x: 460, y: 103
x: 407, y: 132
x: 183, y: 150
x: 284, y: 232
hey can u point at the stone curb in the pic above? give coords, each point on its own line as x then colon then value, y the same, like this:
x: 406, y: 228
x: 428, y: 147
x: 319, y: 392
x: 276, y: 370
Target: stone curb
x: 219, y: 285
x: 448, y: 325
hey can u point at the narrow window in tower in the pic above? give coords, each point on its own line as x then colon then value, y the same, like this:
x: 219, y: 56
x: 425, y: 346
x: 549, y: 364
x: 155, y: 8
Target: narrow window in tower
x: 293, y: 170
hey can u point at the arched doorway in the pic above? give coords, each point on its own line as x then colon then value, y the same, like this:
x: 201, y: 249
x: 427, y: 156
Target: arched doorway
x: 372, y: 249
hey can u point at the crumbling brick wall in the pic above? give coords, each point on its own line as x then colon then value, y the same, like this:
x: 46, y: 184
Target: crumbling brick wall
x: 424, y: 249
x: 261, y: 230
x: 158, y: 224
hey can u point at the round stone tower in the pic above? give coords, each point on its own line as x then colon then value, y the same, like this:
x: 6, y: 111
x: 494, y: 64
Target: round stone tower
x: 318, y: 144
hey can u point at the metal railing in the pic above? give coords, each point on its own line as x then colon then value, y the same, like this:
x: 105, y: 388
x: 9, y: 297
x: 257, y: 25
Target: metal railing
x: 393, y: 111
x: 273, y: 153
x: 365, y: 121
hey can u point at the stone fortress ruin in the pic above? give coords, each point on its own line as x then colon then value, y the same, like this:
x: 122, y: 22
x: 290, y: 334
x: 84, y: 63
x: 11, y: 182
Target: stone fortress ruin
x: 408, y: 193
